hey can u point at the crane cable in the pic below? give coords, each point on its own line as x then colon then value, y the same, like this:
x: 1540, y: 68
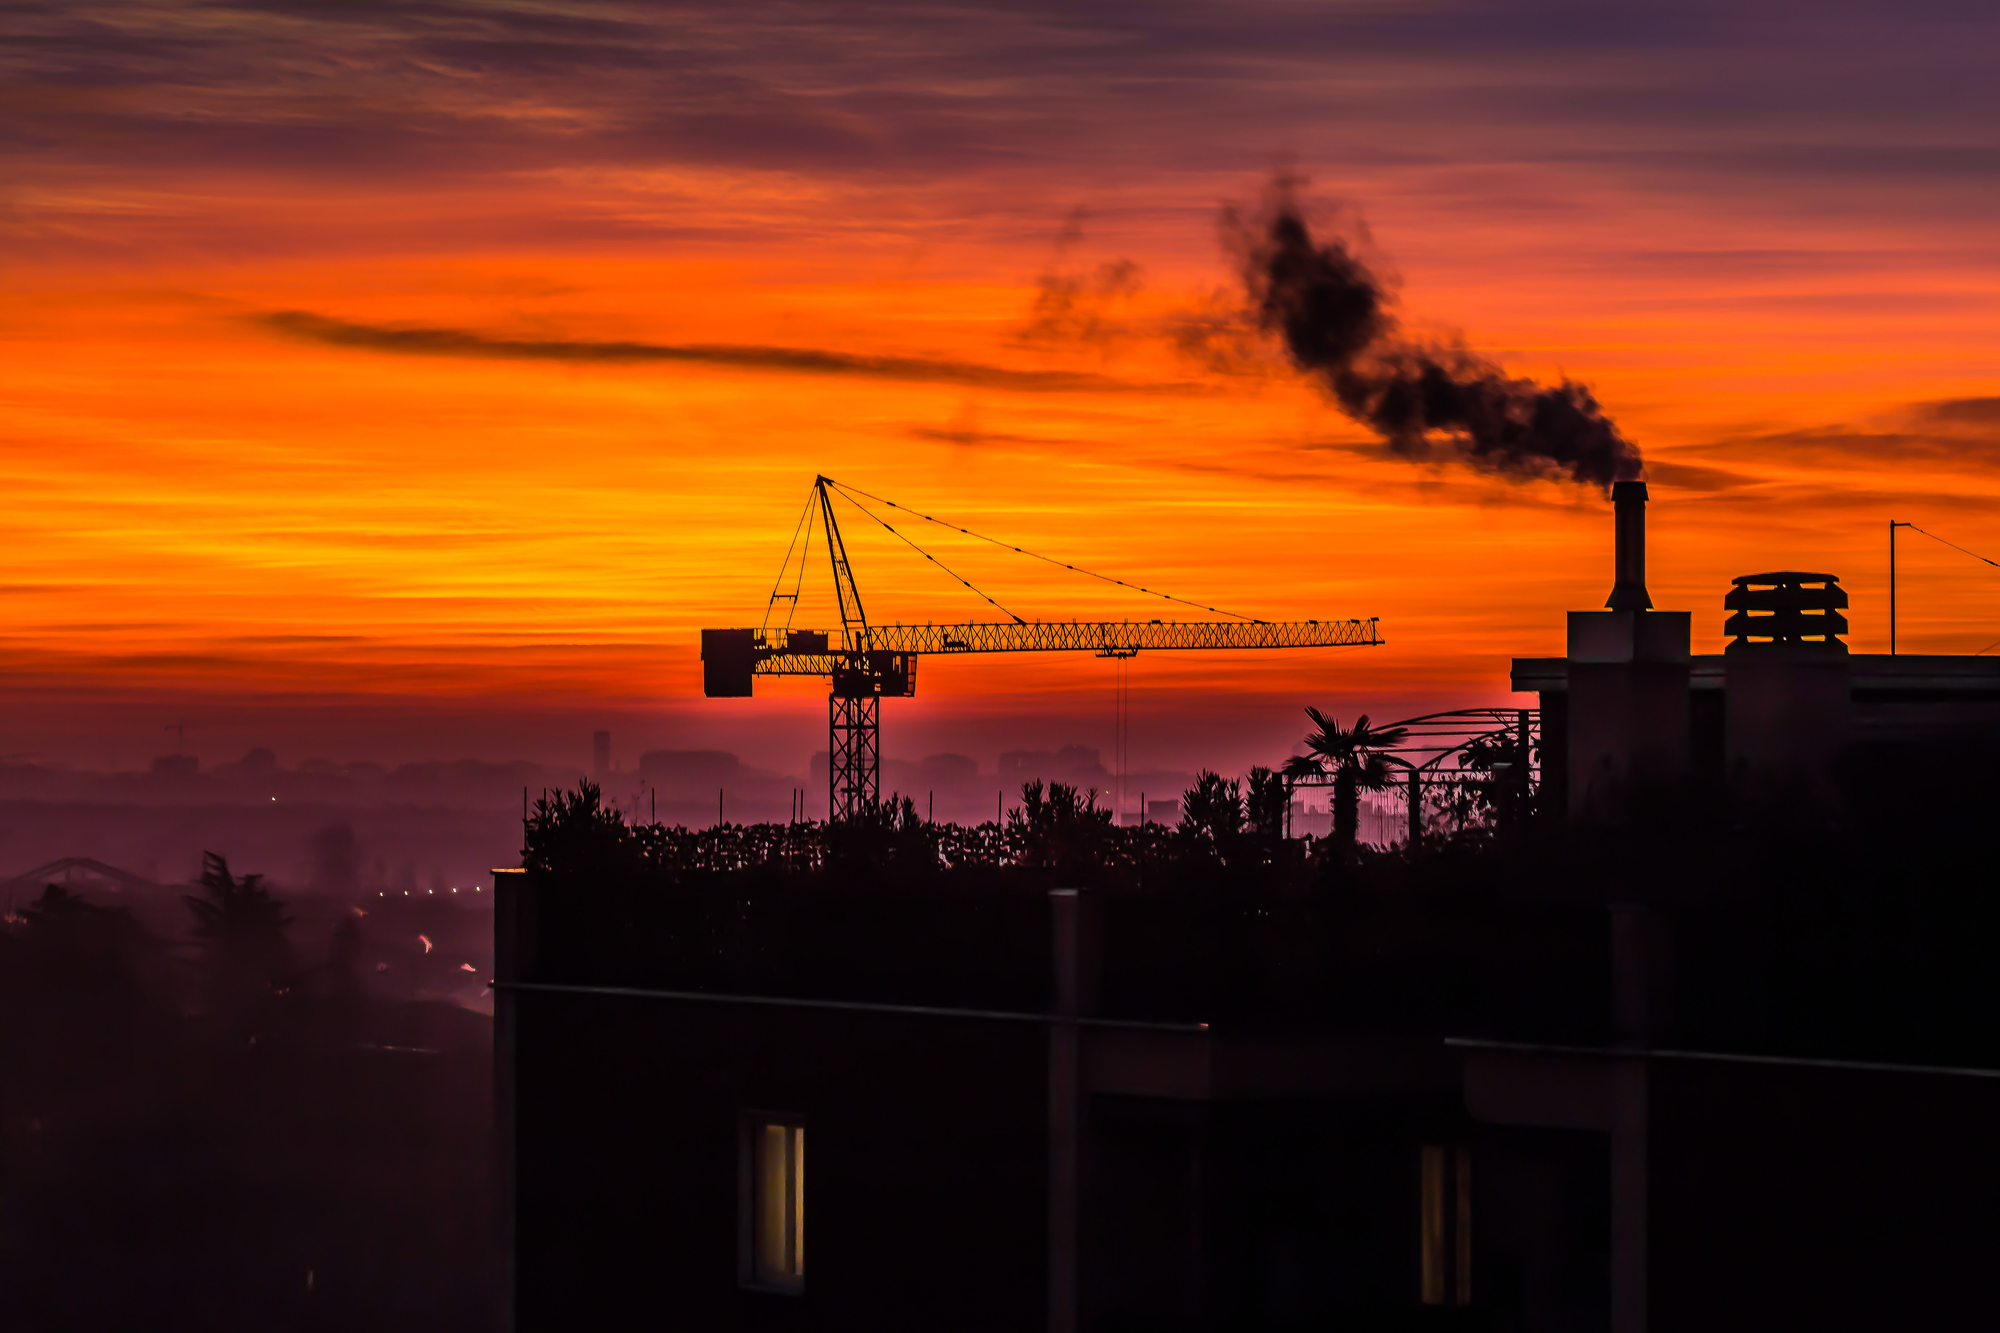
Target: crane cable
x: 1954, y: 546
x: 805, y: 517
x: 1020, y: 550
x: 921, y: 551
x: 1976, y: 556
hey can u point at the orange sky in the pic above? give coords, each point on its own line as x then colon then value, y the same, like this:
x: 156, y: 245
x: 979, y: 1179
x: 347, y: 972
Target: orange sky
x: 241, y: 505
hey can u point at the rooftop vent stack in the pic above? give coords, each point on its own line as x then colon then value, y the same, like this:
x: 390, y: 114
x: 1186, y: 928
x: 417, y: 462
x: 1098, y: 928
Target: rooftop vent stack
x: 1788, y: 706
x: 1628, y: 593
x: 1786, y: 607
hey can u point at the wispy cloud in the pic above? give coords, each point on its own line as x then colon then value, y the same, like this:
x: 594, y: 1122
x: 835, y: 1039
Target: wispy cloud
x: 1964, y: 411
x: 406, y: 341
x: 1651, y: 92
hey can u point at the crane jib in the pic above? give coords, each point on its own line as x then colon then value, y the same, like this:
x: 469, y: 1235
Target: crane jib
x: 732, y: 657
x: 1121, y: 636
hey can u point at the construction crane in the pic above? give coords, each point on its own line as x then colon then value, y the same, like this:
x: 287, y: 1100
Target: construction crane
x: 868, y: 662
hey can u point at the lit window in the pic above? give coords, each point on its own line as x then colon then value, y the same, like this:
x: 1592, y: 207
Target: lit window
x: 1446, y: 1226
x: 773, y: 1228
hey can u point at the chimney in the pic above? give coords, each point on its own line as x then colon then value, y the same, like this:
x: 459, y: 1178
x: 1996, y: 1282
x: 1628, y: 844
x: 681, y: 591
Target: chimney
x: 1628, y: 593
x: 600, y: 756
x: 1629, y: 675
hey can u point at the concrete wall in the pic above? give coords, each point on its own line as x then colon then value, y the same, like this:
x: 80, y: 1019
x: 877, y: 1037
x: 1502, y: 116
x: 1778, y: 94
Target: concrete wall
x: 926, y: 1165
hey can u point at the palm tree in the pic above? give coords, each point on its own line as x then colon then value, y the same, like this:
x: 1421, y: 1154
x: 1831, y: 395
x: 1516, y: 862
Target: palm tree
x: 1359, y: 759
x: 1212, y: 813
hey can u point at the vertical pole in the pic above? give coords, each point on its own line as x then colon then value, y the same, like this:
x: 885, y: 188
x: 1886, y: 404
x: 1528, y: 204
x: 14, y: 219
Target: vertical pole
x: 1073, y: 950
x: 1416, y: 804
x: 1892, y: 587
x: 1629, y: 1208
x: 718, y: 807
x: 1637, y: 1022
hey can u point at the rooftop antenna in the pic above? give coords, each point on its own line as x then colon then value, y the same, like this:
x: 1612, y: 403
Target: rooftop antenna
x: 1892, y: 570
x: 1893, y: 525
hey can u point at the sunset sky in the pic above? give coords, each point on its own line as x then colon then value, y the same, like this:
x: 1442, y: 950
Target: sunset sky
x: 411, y: 381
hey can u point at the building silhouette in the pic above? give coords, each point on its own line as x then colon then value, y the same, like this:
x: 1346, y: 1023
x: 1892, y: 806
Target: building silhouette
x: 1029, y: 1106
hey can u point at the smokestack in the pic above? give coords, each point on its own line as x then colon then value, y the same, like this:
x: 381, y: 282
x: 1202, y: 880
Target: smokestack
x: 600, y: 752
x: 1628, y: 593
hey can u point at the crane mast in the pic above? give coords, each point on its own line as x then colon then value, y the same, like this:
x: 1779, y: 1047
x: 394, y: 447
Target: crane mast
x: 854, y: 705
x: 874, y: 661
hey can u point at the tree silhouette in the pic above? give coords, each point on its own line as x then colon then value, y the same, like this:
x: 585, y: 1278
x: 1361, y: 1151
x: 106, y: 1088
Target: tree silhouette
x: 1212, y: 813
x: 1269, y: 793
x: 576, y: 833
x: 242, y: 928
x: 1358, y: 758
x: 882, y: 833
x: 344, y: 989
x: 1060, y: 827
x: 81, y: 954
x: 1501, y: 793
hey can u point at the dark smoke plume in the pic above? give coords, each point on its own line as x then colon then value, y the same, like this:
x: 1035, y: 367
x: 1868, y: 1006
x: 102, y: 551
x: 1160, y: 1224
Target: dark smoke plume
x: 1334, y: 317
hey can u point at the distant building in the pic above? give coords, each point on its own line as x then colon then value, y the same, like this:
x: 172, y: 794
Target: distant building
x: 175, y: 767
x: 693, y: 769
x: 1079, y: 766
x: 600, y: 756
